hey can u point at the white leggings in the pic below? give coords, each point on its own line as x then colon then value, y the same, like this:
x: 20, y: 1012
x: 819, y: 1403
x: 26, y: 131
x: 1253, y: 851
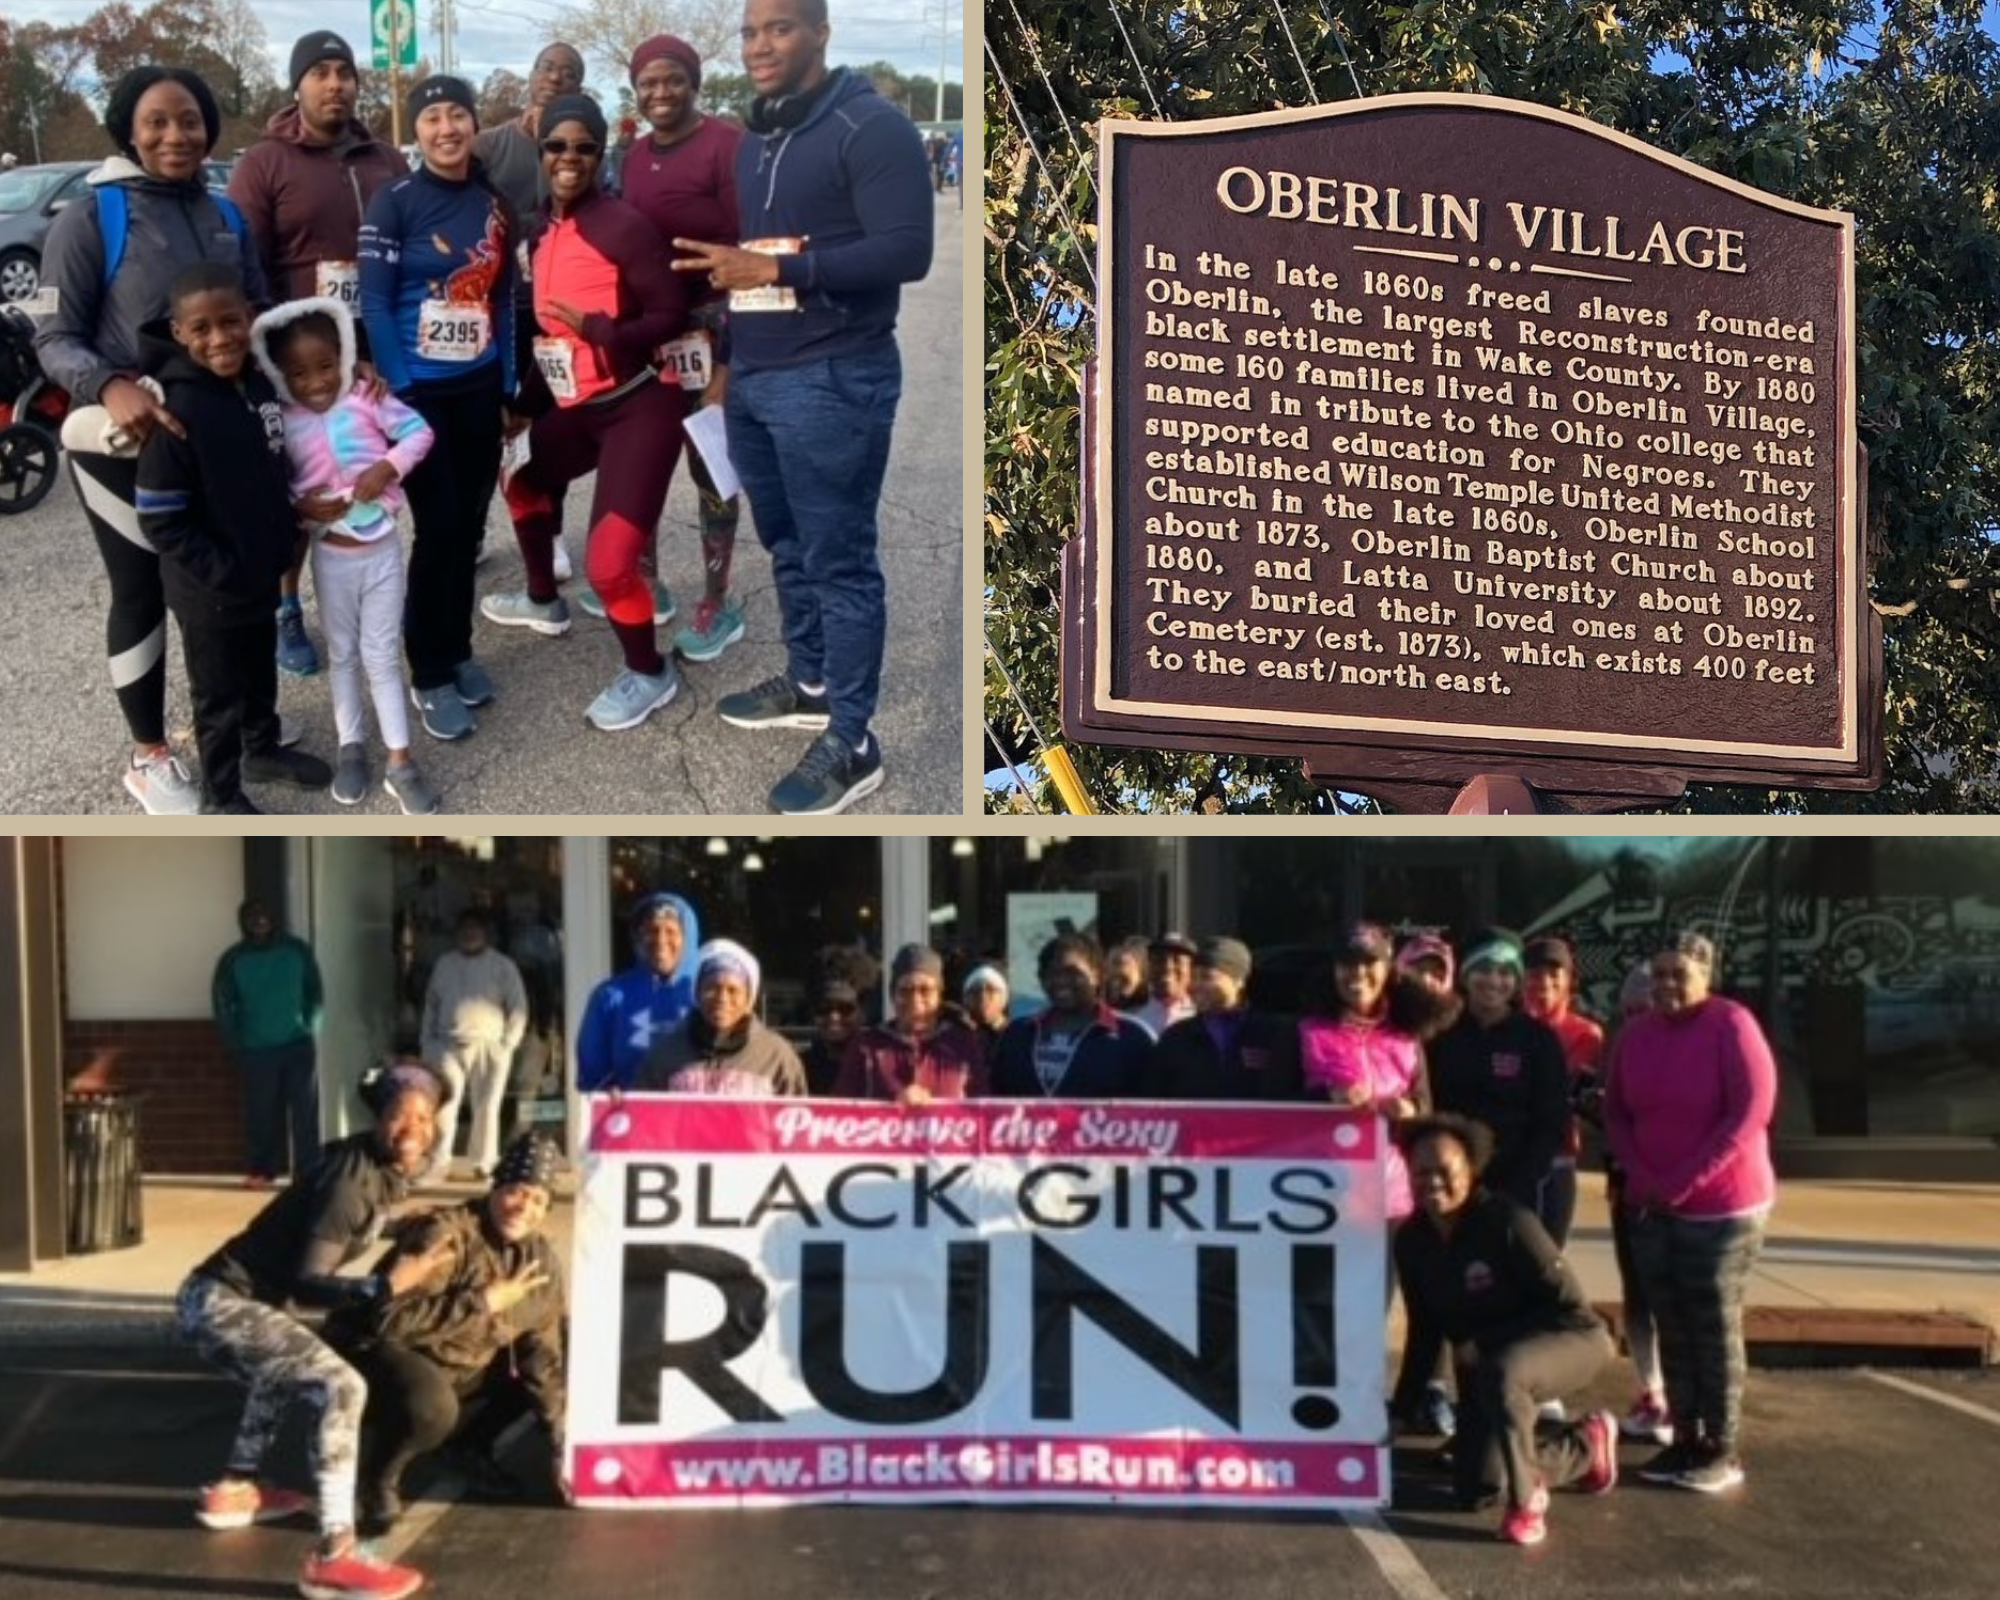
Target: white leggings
x: 361, y: 608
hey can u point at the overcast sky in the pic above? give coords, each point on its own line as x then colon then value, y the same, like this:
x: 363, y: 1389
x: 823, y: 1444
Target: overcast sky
x: 506, y: 33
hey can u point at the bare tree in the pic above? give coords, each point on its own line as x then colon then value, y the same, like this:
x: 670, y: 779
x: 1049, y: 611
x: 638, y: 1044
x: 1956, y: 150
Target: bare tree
x: 239, y: 41
x: 504, y: 95
x: 608, y: 31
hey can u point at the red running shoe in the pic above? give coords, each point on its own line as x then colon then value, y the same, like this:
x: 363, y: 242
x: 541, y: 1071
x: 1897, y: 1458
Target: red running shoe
x: 1528, y: 1525
x: 238, y: 1502
x: 352, y: 1571
x: 1600, y: 1434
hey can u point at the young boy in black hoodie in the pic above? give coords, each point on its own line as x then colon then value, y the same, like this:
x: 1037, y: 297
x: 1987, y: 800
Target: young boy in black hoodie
x: 213, y: 499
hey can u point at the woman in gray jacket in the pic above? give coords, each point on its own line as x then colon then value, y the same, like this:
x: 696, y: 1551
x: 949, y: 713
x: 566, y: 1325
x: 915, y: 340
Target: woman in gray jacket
x: 721, y: 1047
x: 109, y: 258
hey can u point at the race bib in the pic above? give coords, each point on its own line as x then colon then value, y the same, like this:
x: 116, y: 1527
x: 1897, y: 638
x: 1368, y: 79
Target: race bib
x: 557, y: 360
x: 447, y: 331
x: 685, y: 361
x: 338, y: 280
x: 772, y: 296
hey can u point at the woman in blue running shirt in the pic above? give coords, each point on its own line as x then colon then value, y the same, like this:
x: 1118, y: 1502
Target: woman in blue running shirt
x: 437, y: 295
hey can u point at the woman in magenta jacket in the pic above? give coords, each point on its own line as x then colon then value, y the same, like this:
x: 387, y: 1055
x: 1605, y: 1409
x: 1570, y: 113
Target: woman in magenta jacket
x: 1688, y: 1116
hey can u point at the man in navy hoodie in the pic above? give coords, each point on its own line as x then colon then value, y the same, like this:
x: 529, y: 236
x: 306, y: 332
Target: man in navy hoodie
x: 213, y: 499
x: 836, y: 206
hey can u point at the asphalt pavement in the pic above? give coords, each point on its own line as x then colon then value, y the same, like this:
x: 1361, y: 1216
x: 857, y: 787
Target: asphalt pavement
x: 1861, y: 1485
x: 534, y: 755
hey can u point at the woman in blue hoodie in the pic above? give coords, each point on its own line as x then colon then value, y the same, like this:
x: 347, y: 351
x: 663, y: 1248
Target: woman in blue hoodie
x: 648, y: 1000
x: 147, y: 215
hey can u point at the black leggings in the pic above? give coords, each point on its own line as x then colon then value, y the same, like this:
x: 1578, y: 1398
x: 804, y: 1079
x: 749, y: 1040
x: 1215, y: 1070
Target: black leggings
x: 136, y: 630
x: 415, y: 1404
x: 449, y: 494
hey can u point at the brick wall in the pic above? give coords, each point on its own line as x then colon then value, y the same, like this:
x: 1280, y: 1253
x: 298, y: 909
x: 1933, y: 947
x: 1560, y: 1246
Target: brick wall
x: 192, y: 1116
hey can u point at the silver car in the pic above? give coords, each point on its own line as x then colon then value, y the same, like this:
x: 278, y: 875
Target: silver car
x: 30, y: 197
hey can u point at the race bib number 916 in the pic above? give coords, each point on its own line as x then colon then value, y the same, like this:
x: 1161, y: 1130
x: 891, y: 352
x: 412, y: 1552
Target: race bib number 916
x: 685, y: 361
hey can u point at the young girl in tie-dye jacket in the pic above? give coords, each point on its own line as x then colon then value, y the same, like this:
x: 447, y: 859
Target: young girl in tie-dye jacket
x: 349, y: 452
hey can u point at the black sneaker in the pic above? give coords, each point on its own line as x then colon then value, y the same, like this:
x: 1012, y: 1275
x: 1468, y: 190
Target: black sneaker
x: 1712, y: 1470
x: 774, y: 703
x: 287, y: 766
x: 1670, y: 1463
x: 238, y: 807
x: 829, y: 778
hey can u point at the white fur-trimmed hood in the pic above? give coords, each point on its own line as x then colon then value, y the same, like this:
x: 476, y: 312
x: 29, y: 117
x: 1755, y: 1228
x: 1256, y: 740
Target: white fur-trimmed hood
x: 290, y: 312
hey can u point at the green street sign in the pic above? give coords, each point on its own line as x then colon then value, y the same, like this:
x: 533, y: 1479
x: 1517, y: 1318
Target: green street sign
x: 395, y: 19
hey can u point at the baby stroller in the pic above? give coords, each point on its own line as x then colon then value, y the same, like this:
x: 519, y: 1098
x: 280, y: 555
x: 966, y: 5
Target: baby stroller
x: 31, y: 417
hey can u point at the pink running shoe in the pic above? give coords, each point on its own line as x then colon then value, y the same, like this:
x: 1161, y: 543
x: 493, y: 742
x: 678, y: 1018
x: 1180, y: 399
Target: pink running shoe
x: 1528, y: 1525
x: 1600, y: 1434
x: 238, y: 1502
x: 352, y: 1571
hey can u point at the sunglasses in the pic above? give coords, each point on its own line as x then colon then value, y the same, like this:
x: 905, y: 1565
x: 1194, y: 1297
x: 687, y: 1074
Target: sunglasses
x: 562, y: 147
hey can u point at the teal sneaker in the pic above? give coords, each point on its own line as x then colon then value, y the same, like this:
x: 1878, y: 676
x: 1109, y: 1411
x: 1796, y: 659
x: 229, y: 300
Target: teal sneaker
x: 718, y: 624
x: 632, y: 698
x: 516, y: 610
x: 663, y: 603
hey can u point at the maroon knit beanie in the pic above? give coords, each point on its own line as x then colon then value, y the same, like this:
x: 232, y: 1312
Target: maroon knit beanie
x: 664, y: 46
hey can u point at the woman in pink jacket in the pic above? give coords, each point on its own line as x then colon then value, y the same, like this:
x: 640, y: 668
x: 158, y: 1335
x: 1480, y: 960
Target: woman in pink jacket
x: 1687, y: 1115
x: 1366, y: 1049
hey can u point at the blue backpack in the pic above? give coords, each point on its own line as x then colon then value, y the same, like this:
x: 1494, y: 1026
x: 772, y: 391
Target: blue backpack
x: 114, y: 221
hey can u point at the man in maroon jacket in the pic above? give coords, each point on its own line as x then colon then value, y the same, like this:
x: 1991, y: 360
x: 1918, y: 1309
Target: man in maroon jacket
x: 303, y: 188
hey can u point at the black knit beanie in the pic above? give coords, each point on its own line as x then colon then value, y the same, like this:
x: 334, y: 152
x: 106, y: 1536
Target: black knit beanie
x: 440, y: 88
x: 314, y: 48
x: 575, y: 108
x: 123, y: 105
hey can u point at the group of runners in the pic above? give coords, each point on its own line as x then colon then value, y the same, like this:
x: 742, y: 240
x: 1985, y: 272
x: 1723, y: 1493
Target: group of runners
x: 359, y: 345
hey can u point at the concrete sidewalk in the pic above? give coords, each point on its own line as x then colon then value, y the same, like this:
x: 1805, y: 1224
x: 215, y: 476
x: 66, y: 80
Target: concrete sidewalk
x: 1900, y: 1248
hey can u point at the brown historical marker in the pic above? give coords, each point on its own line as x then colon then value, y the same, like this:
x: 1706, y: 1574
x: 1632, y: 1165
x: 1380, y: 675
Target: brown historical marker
x: 1438, y: 436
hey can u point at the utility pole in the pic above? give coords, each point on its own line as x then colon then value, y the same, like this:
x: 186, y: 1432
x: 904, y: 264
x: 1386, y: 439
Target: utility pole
x: 396, y: 75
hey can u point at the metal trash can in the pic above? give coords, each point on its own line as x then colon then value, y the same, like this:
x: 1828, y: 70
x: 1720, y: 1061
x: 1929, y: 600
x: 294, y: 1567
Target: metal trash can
x: 101, y: 1162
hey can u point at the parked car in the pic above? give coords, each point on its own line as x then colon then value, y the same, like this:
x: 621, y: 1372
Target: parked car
x: 30, y: 197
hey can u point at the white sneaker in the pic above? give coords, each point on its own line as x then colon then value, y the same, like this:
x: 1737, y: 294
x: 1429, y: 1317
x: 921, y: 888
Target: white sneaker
x: 564, y: 571
x: 162, y: 786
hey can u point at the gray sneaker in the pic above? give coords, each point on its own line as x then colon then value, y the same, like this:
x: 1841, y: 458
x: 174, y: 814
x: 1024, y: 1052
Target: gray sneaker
x: 473, y: 682
x: 632, y: 698
x: 162, y: 786
x: 664, y: 610
x: 410, y: 790
x: 350, y: 775
x: 444, y: 714
x: 516, y: 610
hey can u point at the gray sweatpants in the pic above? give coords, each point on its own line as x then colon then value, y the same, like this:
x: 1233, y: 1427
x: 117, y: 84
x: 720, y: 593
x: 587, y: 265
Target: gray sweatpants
x: 281, y: 1360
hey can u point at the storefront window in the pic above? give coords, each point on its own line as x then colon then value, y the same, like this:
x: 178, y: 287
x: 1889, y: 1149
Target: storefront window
x: 795, y: 903
x: 999, y: 900
x: 384, y: 910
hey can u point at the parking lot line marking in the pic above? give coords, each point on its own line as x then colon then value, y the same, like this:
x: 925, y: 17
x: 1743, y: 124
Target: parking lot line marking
x: 443, y: 1495
x: 425, y: 1515
x: 1983, y: 1413
x: 1394, y: 1559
